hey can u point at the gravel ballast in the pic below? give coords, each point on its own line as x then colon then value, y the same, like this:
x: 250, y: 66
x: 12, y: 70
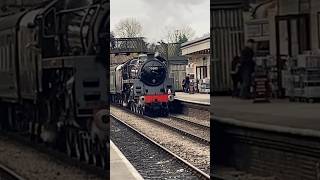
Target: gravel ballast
x: 187, y: 127
x: 149, y: 160
x: 194, y: 152
x: 34, y: 165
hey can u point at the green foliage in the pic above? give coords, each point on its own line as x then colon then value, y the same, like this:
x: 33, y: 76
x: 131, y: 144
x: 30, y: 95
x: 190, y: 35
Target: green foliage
x: 182, y: 38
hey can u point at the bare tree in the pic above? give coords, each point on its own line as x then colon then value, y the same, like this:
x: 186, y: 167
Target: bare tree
x: 128, y: 28
x: 179, y: 34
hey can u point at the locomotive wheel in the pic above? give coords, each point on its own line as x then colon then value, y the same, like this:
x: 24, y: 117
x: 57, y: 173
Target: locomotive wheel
x: 165, y: 112
x: 131, y: 107
x: 78, y: 147
x: 100, y: 155
x: 10, y: 118
x: 310, y: 100
x: 91, y: 152
x: 135, y: 107
x: 70, y: 143
x: 90, y: 149
x: 86, y: 150
x: 32, y: 132
x: 4, y: 115
x: 103, y: 156
x: 96, y: 154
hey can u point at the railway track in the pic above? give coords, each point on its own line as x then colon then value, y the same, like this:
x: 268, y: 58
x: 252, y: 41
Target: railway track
x: 190, y: 122
x: 193, y: 130
x: 179, y: 127
x: 163, y: 160
x: 8, y: 174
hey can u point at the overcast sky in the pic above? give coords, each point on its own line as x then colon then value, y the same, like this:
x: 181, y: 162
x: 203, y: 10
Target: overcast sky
x: 157, y: 15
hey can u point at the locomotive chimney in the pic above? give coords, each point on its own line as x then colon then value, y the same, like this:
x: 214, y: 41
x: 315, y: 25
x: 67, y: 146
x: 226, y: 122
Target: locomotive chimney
x: 150, y: 55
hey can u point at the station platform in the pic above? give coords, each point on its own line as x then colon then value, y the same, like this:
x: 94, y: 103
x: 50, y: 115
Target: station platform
x: 194, y: 98
x: 120, y: 167
x: 279, y: 114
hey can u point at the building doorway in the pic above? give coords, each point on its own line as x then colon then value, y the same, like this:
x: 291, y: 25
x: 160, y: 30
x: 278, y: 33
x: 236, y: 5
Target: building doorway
x: 201, y: 72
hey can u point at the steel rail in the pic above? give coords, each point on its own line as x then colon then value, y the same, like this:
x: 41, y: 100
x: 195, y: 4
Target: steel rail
x: 199, y: 173
x: 9, y: 174
x: 190, y: 122
x: 183, y: 132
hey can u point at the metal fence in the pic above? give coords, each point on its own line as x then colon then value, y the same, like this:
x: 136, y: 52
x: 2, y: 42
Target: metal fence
x: 128, y: 45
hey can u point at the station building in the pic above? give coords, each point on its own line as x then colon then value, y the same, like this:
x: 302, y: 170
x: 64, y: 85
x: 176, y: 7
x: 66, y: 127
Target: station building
x: 197, y: 52
x: 286, y: 34
x: 177, y: 70
x: 288, y: 40
x: 176, y: 64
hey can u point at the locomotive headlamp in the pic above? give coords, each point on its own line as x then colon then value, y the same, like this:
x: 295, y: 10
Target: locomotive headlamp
x: 101, y: 118
x: 141, y: 100
x: 170, y: 97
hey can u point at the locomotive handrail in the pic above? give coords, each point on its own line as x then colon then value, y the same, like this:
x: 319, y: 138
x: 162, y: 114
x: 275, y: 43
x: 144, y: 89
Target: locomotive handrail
x: 81, y: 29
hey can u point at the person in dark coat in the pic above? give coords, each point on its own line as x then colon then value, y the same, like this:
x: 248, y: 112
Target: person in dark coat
x: 246, y: 69
x: 235, y: 75
x: 187, y: 84
x: 184, y: 85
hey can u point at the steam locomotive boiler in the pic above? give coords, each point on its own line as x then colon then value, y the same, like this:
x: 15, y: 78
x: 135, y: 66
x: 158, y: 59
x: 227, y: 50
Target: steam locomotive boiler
x: 53, y: 76
x: 142, y: 84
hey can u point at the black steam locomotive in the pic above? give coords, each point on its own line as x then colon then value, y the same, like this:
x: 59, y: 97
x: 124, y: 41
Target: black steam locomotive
x: 143, y: 85
x: 53, y: 76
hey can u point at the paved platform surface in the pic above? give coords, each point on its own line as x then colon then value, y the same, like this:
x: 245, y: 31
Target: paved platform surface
x: 120, y: 167
x: 195, y: 98
x: 279, y: 112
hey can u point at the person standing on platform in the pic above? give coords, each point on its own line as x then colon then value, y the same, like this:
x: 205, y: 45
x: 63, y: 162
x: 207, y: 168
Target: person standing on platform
x: 187, y: 84
x: 184, y: 85
x: 235, y: 75
x: 246, y: 69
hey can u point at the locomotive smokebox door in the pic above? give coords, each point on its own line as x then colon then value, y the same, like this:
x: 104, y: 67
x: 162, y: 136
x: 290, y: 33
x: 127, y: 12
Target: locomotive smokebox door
x: 90, y: 85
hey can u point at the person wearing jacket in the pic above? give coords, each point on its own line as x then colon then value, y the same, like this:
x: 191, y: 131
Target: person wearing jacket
x: 246, y: 69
